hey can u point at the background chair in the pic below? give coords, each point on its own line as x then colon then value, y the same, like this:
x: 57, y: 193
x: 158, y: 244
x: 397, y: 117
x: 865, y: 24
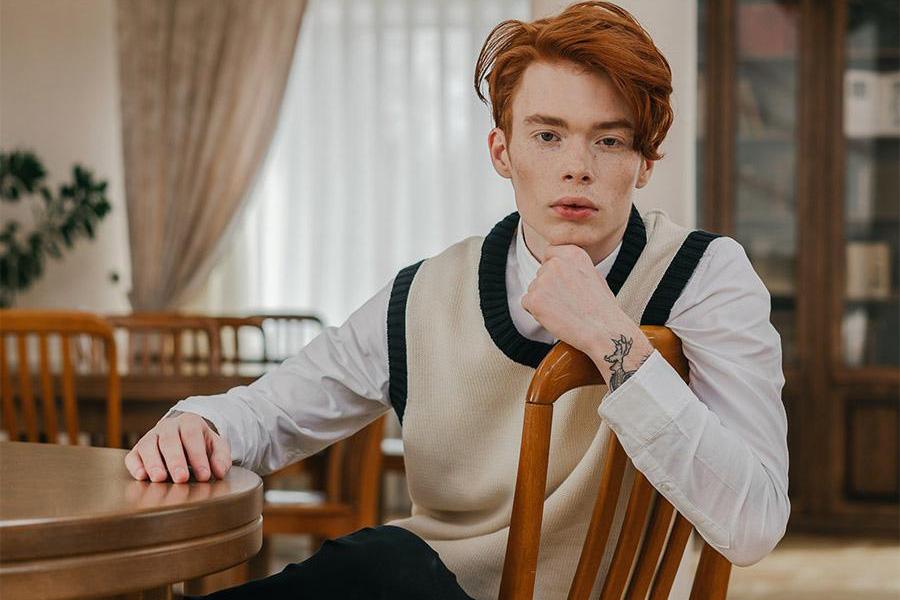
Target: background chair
x: 345, y: 500
x: 235, y: 356
x: 169, y: 343
x: 285, y: 334
x: 564, y: 369
x: 40, y: 347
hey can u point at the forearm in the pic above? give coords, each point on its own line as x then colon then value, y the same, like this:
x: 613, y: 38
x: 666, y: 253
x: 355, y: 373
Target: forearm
x: 711, y: 475
x: 618, y: 349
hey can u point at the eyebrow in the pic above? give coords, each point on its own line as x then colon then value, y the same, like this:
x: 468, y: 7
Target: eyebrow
x: 557, y: 122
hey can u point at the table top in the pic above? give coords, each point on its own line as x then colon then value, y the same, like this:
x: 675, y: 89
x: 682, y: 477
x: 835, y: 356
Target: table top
x: 72, y: 515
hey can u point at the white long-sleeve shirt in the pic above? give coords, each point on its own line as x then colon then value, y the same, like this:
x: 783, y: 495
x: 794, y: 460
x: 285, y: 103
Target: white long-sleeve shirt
x: 716, y: 448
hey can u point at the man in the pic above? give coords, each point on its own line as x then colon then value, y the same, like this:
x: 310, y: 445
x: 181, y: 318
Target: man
x: 581, y: 105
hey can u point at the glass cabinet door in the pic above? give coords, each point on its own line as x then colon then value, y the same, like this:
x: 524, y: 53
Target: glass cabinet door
x: 870, y: 326
x: 763, y: 119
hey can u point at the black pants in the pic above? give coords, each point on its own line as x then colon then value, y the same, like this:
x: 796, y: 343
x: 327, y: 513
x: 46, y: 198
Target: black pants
x: 384, y: 562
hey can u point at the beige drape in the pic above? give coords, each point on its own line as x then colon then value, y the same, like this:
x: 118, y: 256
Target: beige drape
x: 202, y: 82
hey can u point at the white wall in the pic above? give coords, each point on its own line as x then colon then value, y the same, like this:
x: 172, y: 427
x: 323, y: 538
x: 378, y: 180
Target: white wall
x: 673, y: 26
x: 59, y: 97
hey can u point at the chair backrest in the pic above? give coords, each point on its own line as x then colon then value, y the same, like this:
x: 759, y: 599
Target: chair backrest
x: 353, y: 472
x: 42, y: 347
x: 169, y: 343
x: 658, y: 552
x: 286, y: 334
x: 229, y: 331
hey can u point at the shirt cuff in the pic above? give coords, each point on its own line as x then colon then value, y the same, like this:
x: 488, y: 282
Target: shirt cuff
x: 642, y: 407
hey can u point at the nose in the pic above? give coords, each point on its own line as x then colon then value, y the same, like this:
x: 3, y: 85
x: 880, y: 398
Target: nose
x: 577, y: 166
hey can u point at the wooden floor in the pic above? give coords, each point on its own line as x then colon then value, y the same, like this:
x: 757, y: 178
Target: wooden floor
x: 801, y: 568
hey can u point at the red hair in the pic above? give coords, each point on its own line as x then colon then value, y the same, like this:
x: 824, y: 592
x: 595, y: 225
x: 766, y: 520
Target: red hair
x: 597, y: 36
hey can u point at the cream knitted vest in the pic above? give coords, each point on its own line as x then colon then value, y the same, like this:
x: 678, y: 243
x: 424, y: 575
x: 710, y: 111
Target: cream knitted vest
x: 464, y: 407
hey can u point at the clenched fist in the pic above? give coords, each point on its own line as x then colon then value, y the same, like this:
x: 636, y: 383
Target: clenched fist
x: 175, y: 442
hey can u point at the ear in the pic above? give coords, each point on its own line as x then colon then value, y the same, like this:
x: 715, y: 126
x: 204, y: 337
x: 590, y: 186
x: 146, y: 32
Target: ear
x: 499, y: 151
x: 645, y: 172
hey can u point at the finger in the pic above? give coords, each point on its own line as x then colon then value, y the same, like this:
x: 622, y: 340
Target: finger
x: 194, y: 444
x: 173, y: 453
x: 135, y: 465
x: 148, y: 451
x: 219, y: 455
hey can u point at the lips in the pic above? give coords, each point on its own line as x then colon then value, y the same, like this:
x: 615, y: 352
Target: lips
x: 574, y: 202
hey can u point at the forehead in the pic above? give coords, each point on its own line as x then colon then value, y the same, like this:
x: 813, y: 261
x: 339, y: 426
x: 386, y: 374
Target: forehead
x: 565, y: 90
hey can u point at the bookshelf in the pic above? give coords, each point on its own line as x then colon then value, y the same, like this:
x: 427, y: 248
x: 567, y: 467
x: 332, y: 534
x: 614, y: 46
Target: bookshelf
x: 799, y: 161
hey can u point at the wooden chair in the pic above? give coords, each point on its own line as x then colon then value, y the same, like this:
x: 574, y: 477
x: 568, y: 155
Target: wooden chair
x: 285, y: 334
x: 169, y: 343
x: 229, y: 330
x: 21, y: 329
x: 564, y: 369
x: 348, y: 500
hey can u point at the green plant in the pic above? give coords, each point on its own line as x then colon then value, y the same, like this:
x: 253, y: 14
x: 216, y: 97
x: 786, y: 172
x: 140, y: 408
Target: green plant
x: 59, y: 219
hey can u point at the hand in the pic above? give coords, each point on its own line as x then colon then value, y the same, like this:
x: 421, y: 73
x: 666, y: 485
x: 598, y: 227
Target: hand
x: 162, y: 451
x: 570, y: 299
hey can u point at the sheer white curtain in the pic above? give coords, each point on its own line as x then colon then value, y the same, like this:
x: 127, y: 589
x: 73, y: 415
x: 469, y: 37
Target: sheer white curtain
x: 380, y: 157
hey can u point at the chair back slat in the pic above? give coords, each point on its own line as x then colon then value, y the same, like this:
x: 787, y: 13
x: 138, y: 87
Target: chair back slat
x: 645, y: 532
x: 49, y: 400
x: 629, y: 537
x: 70, y: 407
x: 44, y: 327
x: 651, y: 550
x: 26, y: 394
x: 601, y: 521
x: 668, y: 567
x: 10, y: 422
x: 713, y: 572
x: 361, y: 478
x: 334, y: 471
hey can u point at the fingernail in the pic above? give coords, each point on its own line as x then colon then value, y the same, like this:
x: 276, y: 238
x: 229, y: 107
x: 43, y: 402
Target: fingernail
x: 157, y: 474
x: 202, y: 472
x: 181, y: 473
x: 140, y: 474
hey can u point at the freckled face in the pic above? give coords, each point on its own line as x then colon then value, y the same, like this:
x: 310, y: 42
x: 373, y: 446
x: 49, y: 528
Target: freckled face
x: 571, y: 137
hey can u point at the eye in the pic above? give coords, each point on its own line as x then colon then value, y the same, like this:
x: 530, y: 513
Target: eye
x: 545, y: 133
x: 606, y: 142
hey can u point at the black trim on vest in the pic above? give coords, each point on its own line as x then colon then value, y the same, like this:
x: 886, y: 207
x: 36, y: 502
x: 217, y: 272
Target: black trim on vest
x: 492, y: 285
x: 396, y: 334
x: 676, y: 277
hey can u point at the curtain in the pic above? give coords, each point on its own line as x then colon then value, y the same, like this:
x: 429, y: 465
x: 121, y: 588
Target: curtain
x: 380, y: 158
x: 202, y: 82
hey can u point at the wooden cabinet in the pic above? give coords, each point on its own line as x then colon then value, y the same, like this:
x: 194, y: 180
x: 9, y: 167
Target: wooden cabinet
x: 799, y: 160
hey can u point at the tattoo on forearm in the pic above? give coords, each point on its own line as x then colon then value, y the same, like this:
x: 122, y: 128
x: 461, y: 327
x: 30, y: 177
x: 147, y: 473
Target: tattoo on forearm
x: 617, y: 360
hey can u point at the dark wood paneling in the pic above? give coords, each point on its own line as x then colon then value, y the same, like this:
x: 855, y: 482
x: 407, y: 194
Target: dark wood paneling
x: 872, y: 450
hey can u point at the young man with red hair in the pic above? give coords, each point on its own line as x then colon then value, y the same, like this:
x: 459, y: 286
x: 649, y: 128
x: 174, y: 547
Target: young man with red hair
x: 581, y: 104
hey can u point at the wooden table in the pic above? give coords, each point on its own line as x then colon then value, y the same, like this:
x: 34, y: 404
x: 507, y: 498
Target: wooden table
x: 73, y: 523
x: 146, y: 397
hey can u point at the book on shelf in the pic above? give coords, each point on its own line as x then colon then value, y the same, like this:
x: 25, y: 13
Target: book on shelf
x: 750, y: 119
x: 871, y: 103
x: 868, y: 270
x: 853, y: 334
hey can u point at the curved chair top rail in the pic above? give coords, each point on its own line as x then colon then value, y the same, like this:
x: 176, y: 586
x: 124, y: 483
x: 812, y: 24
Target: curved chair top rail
x: 17, y: 320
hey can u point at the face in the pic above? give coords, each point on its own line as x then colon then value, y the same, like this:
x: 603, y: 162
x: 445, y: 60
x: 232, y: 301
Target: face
x: 570, y: 159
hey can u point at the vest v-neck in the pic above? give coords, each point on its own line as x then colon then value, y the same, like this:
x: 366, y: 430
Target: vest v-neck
x: 493, y: 294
